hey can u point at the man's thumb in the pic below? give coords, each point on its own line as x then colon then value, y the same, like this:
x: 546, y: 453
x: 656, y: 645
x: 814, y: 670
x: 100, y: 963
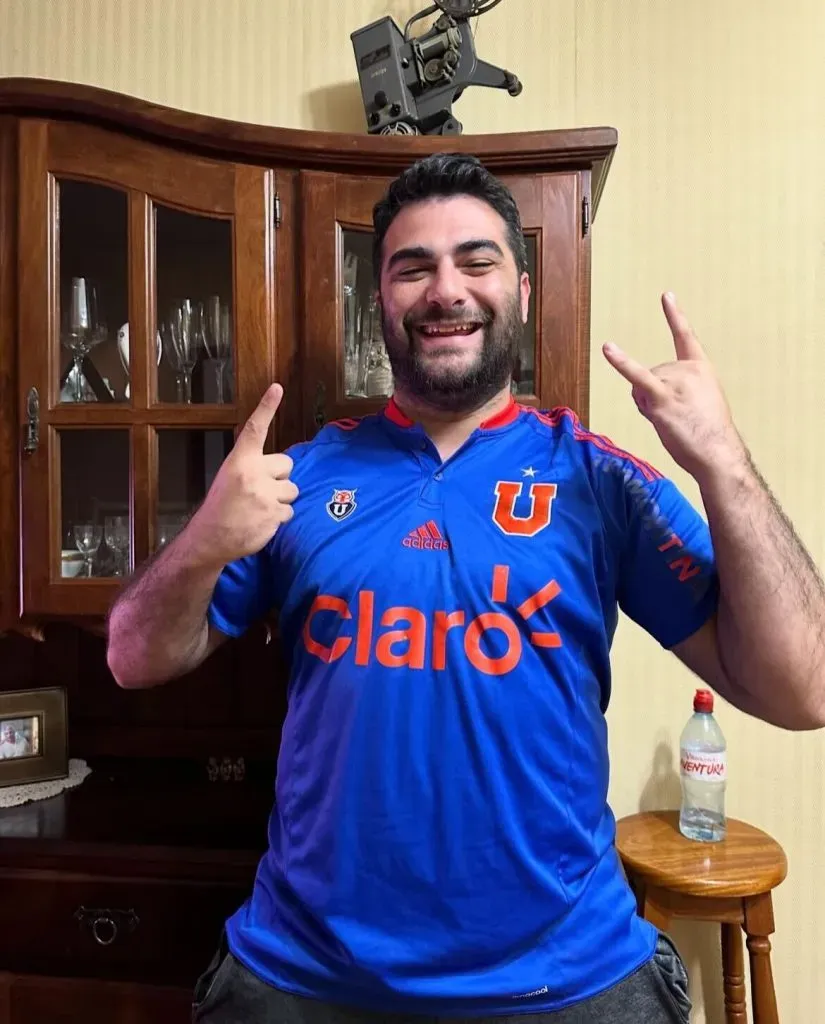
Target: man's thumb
x: 255, y: 428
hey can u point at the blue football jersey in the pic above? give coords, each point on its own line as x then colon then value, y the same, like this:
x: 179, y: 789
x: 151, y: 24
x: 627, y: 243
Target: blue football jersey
x: 441, y: 841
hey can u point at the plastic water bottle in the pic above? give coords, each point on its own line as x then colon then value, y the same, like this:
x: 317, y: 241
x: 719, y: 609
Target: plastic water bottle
x: 703, y: 768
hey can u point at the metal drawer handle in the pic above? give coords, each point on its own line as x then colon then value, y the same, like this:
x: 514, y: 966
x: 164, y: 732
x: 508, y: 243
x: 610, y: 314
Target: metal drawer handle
x: 104, y: 924
x: 104, y: 930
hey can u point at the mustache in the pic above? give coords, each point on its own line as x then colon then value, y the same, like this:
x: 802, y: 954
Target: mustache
x: 477, y: 316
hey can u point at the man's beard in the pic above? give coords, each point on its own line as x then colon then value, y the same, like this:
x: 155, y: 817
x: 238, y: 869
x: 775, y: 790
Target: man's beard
x: 456, y: 389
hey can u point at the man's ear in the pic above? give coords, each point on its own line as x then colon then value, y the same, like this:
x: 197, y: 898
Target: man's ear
x: 524, y: 289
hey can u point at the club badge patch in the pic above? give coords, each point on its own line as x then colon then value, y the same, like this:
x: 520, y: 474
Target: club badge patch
x: 341, y: 505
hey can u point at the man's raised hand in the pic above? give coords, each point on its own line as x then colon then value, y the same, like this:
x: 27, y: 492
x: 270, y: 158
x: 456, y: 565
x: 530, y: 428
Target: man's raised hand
x: 683, y: 399
x: 251, y: 495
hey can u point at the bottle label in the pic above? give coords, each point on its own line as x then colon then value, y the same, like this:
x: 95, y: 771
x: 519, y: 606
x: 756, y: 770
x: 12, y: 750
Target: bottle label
x: 701, y: 764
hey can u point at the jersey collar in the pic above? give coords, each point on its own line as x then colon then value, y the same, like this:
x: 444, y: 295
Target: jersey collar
x: 501, y: 419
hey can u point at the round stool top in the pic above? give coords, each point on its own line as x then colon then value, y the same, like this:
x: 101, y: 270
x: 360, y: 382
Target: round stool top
x: 745, y: 863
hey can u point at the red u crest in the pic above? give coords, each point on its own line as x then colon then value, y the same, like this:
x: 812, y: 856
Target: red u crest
x: 541, y: 500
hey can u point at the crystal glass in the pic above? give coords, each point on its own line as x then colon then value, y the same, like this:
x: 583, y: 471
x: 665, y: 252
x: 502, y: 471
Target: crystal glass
x: 94, y: 498
x: 117, y: 535
x: 216, y: 331
x: 182, y: 338
x: 91, y: 288
x: 358, y: 303
x: 195, y: 295
x: 87, y: 537
x: 82, y: 330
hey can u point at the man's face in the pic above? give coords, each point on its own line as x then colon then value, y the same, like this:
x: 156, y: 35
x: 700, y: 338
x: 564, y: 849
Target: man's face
x: 453, y: 304
x: 9, y: 734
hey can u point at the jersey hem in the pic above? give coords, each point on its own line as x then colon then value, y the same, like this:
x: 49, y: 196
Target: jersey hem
x: 468, y: 1008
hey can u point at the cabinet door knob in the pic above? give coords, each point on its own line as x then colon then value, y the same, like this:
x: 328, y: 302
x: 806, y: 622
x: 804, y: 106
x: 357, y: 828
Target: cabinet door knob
x: 32, y: 440
x: 320, y: 402
x: 104, y: 924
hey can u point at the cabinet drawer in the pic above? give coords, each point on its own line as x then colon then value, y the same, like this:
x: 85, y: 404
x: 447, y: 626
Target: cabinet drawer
x: 116, y: 928
x: 65, y: 1001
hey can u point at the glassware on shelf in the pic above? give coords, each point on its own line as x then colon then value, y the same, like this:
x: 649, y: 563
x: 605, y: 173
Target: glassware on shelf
x: 216, y: 330
x: 352, y: 325
x: 182, y: 339
x: 82, y: 330
x: 367, y: 370
x: 87, y: 537
x: 377, y: 372
x: 352, y: 330
x: 117, y: 534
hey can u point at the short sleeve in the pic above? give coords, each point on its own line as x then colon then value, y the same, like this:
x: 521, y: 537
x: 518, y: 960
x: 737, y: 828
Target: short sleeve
x: 244, y: 592
x: 667, y: 582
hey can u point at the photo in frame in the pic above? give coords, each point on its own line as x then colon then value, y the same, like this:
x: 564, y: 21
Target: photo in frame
x: 33, y: 736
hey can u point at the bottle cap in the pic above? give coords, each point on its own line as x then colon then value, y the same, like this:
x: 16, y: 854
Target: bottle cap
x: 703, y: 701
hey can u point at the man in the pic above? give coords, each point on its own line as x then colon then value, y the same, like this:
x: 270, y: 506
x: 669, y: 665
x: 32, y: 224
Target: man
x: 447, y: 575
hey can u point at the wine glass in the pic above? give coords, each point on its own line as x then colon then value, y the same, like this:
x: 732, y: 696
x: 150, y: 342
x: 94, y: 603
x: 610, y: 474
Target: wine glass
x: 87, y: 537
x: 215, y: 323
x: 82, y: 329
x: 182, y: 339
x: 116, y: 530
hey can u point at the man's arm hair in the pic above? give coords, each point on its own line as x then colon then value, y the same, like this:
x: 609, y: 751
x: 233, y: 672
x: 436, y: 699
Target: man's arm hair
x: 158, y: 629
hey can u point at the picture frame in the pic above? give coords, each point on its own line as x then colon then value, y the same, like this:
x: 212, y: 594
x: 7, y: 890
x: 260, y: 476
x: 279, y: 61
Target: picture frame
x: 33, y: 736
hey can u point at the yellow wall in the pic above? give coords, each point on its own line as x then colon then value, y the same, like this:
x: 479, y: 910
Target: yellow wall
x: 716, y: 192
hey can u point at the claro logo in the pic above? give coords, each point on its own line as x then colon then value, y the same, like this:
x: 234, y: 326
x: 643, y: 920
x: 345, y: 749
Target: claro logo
x: 407, y: 647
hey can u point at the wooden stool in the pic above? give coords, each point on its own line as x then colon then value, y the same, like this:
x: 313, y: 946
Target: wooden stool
x: 729, y: 882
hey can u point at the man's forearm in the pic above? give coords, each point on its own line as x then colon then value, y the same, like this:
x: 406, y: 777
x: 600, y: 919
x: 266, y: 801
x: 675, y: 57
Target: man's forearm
x: 157, y: 626
x: 771, y: 620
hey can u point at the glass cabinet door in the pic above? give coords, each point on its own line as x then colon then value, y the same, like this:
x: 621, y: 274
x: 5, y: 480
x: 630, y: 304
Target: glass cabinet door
x: 92, y: 225
x: 139, y: 355
x: 347, y: 368
x: 194, y: 303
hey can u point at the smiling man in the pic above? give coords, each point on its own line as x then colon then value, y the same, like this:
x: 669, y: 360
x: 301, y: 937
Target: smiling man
x: 453, y: 307
x: 448, y: 576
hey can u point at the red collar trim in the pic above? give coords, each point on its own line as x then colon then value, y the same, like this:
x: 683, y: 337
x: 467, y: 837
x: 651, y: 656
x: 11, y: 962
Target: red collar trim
x: 507, y: 415
x: 394, y: 415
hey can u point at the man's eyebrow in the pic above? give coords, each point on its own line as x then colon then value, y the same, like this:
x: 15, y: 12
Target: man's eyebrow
x: 411, y: 252
x: 476, y: 244
x: 421, y: 252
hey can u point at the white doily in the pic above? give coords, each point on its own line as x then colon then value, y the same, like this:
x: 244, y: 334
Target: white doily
x: 11, y: 796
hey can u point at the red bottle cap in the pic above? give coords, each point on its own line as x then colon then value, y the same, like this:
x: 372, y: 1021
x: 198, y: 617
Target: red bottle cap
x: 703, y: 701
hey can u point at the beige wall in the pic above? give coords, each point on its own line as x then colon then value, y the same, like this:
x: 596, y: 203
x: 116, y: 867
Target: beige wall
x: 716, y: 192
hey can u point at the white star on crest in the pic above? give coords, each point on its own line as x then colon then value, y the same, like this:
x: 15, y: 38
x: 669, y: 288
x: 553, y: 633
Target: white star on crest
x: 529, y: 471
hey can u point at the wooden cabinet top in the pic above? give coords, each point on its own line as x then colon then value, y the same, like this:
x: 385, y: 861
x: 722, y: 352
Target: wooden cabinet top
x: 510, y: 152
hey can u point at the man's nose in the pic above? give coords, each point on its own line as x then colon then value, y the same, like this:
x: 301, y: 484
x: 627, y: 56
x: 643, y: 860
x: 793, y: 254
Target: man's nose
x: 446, y: 287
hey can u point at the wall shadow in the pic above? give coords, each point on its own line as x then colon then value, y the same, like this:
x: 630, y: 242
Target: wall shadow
x: 336, y: 108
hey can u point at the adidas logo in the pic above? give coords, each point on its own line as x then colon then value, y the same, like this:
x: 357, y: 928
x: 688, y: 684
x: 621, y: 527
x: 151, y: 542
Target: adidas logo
x: 426, y: 538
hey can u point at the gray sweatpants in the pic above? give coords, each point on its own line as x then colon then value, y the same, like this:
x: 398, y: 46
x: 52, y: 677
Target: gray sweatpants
x: 656, y: 993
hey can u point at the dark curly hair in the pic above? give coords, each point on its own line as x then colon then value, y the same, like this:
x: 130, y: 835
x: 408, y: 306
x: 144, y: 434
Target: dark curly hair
x: 444, y: 175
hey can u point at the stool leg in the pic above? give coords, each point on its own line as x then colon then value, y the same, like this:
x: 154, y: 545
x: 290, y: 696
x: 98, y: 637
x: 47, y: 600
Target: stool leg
x: 758, y: 926
x: 733, y: 968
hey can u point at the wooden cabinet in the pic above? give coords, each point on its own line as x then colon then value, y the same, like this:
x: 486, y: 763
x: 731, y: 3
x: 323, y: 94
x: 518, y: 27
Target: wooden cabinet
x: 71, y: 1000
x: 119, y: 217
x: 115, y: 238
x: 157, y: 271
x: 336, y: 212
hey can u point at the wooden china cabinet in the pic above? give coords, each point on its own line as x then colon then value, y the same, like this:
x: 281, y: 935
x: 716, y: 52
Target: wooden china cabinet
x: 157, y: 270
